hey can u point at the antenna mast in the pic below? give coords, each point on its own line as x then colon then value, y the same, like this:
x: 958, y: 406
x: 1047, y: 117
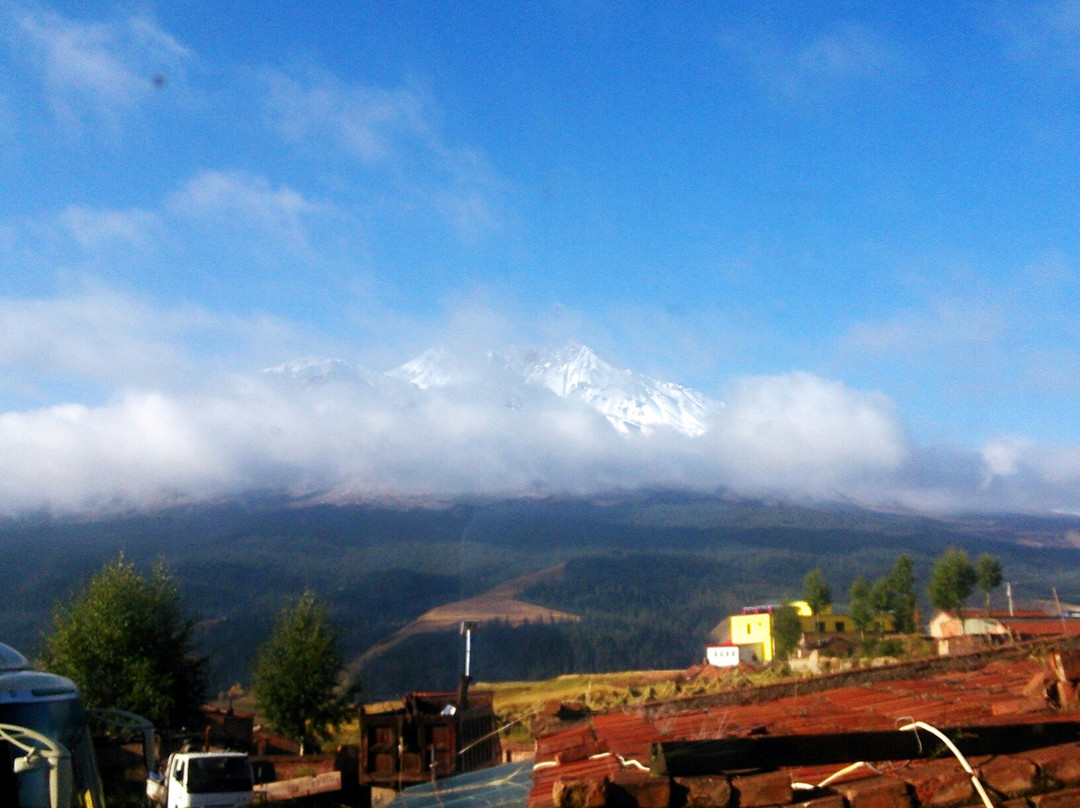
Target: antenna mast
x: 467, y: 627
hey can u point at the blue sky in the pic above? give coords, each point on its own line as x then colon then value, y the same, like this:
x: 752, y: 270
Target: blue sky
x: 829, y: 204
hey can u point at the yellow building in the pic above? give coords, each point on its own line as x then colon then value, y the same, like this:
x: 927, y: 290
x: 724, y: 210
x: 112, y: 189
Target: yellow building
x: 824, y: 622
x: 754, y: 627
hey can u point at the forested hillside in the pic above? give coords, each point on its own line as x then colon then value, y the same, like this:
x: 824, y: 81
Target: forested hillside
x: 649, y: 574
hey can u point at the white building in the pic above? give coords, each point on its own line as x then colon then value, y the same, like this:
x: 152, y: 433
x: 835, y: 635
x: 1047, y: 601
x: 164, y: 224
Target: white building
x: 729, y: 655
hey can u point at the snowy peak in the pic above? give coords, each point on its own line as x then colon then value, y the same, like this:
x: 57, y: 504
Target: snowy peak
x: 630, y: 401
x: 573, y: 370
x: 436, y: 367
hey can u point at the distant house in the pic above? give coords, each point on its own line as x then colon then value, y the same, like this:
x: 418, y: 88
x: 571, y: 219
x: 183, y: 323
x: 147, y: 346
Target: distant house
x: 954, y: 635
x: 752, y: 630
x: 729, y: 655
x: 944, y: 625
x: 824, y: 622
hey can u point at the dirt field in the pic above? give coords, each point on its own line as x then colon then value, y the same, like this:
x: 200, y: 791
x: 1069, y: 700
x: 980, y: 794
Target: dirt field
x: 498, y: 604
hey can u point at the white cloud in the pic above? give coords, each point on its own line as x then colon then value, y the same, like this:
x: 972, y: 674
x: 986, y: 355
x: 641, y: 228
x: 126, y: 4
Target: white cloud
x: 112, y: 341
x: 832, y: 64
x: 371, y: 123
x: 99, y: 335
x: 973, y: 338
x: 217, y: 436
x: 214, y: 222
x: 97, y: 68
x: 1002, y: 456
x: 796, y: 435
x: 1045, y: 33
x: 96, y: 230
x: 143, y: 449
x: 222, y: 197
x: 942, y: 325
x: 176, y: 423
x: 1020, y: 474
x: 850, y: 53
x: 393, y: 131
x: 801, y: 432
x: 147, y: 448
x: 1019, y: 458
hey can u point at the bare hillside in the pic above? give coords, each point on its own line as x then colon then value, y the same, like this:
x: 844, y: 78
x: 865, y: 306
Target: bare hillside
x: 499, y: 604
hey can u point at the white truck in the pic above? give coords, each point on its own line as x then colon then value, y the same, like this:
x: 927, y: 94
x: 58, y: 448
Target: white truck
x: 203, y: 779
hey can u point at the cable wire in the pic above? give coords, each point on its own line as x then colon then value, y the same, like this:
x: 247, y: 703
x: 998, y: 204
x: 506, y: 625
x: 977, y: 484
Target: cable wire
x: 914, y: 726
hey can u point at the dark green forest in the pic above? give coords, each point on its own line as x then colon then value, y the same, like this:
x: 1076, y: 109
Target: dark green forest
x: 650, y: 574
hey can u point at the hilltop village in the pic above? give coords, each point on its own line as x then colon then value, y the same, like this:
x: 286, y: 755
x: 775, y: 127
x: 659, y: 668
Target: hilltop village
x: 990, y: 718
x: 794, y: 703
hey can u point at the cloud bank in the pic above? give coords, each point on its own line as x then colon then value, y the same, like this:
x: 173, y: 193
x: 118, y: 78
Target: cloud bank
x: 188, y: 430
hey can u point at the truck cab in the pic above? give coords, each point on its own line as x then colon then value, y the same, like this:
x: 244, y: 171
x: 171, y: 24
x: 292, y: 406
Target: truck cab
x: 201, y: 779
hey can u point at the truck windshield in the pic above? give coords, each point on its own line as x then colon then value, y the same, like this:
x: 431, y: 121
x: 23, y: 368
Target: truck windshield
x: 213, y: 775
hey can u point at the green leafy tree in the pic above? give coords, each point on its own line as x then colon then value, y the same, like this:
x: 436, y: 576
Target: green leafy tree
x: 786, y: 631
x: 988, y: 575
x: 816, y: 591
x: 894, y: 594
x: 902, y: 603
x: 125, y: 641
x: 298, y: 674
x: 881, y: 597
x: 861, y: 608
x: 951, y: 581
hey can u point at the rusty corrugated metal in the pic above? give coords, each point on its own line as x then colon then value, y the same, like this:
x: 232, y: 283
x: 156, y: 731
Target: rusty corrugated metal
x: 992, y: 694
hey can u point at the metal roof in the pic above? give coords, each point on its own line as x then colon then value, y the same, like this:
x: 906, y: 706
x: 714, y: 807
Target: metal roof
x: 1006, y: 688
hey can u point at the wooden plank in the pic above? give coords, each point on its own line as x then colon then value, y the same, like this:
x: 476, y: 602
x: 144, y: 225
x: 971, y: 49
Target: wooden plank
x: 326, y: 783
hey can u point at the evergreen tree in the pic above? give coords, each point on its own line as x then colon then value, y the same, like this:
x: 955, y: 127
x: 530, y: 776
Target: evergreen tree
x: 125, y: 641
x: 988, y: 574
x: 903, y: 603
x: 861, y: 609
x: 298, y: 672
x: 786, y: 631
x: 816, y: 591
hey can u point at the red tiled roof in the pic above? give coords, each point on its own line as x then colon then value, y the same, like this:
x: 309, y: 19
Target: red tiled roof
x: 1045, y: 627
x: 998, y: 692
x: 1004, y: 614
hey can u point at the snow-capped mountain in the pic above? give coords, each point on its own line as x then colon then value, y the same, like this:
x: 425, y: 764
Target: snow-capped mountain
x: 437, y: 367
x: 630, y: 401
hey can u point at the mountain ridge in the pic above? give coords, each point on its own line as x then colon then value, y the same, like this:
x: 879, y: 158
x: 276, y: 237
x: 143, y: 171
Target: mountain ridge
x: 631, y: 402
x: 382, y: 566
